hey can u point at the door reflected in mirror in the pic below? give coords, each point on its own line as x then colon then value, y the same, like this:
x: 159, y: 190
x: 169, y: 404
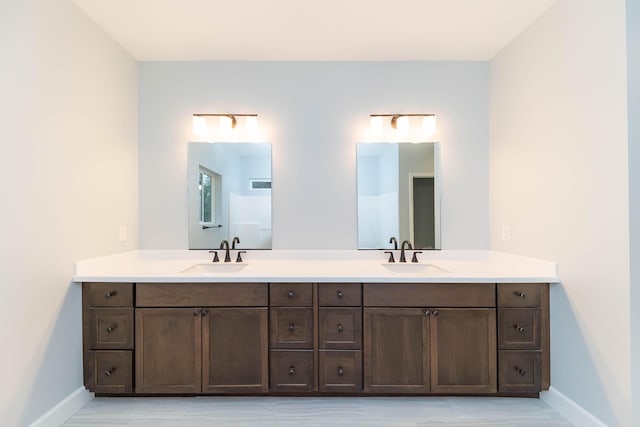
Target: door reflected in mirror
x: 229, y: 194
x: 398, y: 194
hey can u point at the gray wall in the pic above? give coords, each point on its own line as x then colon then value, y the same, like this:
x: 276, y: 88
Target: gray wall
x: 633, y: 98
x: 313, y: 113
x: 68, y: 180
x: 559, y: 178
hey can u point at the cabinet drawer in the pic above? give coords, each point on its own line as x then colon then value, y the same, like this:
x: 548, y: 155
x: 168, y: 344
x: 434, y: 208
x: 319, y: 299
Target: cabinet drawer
x: 340, y: 371
x: 291, y: 294
x: 520, y: 294
x: 292, y: 371
x: 201, y: 295
x: 340, y: 294
x: 291, y: 328
x: 520, y: 371
x: 111, y: 371
x: 109, y: 294
x: 429, y: 294
x: 340, y: 328
x: 111, y: 328
x: 519, y: 329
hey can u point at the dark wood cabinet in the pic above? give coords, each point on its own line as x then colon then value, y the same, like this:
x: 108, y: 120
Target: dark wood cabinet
x: 235, y: 351
x: 523, y: 337
x: 396, y: 352
x: 107, y: 337
x: 433, y: 349
x: 463, y: 350
x: 196, y: 350
x: 168, y: 350
x: 316, y: 338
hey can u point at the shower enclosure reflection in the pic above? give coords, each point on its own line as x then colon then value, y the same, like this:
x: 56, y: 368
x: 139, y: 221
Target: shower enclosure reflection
x: 229, y: 194
x: 398, y: 194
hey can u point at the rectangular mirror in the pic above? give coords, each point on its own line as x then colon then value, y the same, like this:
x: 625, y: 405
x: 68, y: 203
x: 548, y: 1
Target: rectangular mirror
x: 398, y: 194
x: 229, y: 194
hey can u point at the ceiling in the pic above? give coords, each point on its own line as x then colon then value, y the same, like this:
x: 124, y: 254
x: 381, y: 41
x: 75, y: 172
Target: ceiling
x: 313, y: 30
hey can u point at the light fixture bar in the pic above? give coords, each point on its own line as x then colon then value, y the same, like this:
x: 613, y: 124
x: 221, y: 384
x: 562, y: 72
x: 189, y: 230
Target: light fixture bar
x: 234, y: 122
x: 395, y: 117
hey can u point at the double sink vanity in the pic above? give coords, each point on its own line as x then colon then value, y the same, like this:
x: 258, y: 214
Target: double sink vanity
x: 316, y: 323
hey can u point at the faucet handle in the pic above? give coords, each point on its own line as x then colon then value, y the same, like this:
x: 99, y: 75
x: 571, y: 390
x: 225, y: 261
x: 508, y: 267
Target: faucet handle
x: 414, y: 258
x: 391, y: 258
x: 215, y: 256
x: 239, y: 257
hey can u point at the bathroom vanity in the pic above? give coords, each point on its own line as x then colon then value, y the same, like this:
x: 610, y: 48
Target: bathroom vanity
x: 463, y: 322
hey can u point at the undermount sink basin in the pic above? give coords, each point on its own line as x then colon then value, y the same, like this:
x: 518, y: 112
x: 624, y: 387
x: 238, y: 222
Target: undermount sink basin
x: 414, y: 268
x: 216, y: 267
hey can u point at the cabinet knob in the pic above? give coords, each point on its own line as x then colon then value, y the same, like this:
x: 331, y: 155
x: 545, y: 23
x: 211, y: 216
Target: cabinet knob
x: 291, y: 327
x: 195, y: 313
x: 204, y: 311
x: 518, y: 328
x: 520, y: 371
x: 292, y: 370
x: 339, y: 294
x: 110, y: 371
x: 340, y: 328
x: 110, y: 294
x: 520, y: 295
x: 340, y: 371
x: 436, y: 312
x: 111, y: 328
x: 427, y: 313
x: 291, y: 294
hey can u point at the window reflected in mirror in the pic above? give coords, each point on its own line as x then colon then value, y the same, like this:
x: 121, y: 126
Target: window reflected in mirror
x: 229, y: 194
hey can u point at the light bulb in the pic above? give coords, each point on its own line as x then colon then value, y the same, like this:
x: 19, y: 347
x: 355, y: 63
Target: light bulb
x: 199, y: 125
x: 251, y: 124
x: 429, y: 125
x: 225, y: 124
x: 402, y: 124
x: 376, y: 126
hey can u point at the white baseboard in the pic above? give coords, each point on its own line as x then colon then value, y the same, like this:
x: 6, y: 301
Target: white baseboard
x: 60, y: 413
x: 569, y: 409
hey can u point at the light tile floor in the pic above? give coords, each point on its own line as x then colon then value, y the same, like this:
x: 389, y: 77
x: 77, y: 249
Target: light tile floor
x: 316, y: 412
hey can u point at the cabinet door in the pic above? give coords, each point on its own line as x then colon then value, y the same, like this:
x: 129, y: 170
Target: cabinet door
x: 463, y: 350
x: 235, y: 350
x: 168, y: 350
x: 396, y: 356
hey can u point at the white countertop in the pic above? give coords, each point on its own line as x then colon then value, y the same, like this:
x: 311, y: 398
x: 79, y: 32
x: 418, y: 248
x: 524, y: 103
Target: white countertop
x: 317, y: 266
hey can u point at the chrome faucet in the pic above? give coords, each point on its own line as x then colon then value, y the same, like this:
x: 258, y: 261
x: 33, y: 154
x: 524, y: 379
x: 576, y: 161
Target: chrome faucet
x: 409, y: 246
x: 225, y: 245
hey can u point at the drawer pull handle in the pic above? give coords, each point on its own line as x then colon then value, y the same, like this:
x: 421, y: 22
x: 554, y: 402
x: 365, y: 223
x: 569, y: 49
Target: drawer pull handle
x: 110, y: 294
x: 291, y: 294
x: 204, y: 311
x: 291, y: 327
x: 521, y: 371
x: 340, y: 371
x: 518, y: 328
x: 427, y: 313
x: 339, y: 294
x: 195, y: 313
x: 436, y: 312
x: 520, y: 295
x: 108, y: 372
x: 111, y: 328
x: 340, y: 328
x: 292, y: 370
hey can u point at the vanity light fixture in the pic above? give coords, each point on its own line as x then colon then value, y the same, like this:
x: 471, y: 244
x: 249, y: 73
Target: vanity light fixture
x: 401, y: 122
x: 227, y: 122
